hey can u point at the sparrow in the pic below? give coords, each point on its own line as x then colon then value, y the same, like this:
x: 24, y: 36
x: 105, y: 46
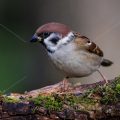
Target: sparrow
x: 72, y: 53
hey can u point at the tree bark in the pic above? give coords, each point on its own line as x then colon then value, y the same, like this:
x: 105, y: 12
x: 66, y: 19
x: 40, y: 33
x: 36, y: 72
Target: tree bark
x: 20, y: 107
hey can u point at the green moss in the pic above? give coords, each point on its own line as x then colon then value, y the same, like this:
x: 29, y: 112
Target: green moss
x: 87, y: 101
x: 118, y: 88
x: 10, y: 100
x: 104, y: 94
x: 49, y: 102
x: 101, y: 94
x: 111, y: 92
x: 60, y: 102
x: 109, y: 95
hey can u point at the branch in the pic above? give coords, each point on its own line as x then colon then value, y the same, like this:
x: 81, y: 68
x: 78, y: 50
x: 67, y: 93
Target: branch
x: 83, y: 102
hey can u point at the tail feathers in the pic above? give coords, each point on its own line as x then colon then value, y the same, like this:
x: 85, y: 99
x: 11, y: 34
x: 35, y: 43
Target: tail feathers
x: 106, y: 63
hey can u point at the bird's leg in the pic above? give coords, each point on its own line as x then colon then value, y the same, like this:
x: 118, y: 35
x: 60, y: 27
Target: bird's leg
x: 104, y: 78
x: 65, y: 84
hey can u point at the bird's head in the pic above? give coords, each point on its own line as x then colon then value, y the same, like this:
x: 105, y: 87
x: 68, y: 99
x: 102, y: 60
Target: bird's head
x: 53, y: 35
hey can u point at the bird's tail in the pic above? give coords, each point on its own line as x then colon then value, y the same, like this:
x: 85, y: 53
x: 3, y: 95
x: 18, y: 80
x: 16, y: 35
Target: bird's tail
x: 106, y: 63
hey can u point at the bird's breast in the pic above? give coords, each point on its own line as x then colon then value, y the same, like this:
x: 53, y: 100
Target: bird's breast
x: 75, y: 63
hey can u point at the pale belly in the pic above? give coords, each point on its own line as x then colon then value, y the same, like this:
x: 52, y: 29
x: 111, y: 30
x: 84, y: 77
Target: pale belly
x: 75, y: 64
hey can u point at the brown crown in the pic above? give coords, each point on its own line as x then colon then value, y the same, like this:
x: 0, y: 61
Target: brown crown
x: 54, y: 27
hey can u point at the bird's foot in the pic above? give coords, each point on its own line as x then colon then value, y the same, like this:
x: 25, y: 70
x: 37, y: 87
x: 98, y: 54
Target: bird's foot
x: 65, y: 85
x: 104, y: 78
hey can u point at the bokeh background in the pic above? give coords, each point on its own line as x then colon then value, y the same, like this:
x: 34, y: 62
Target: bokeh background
x: 25, y: 66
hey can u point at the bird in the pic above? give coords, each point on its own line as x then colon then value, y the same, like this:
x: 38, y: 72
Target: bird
x: 74, y: 54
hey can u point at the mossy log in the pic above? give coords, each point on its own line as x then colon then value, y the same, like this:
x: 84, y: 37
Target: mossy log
x: 97, y: 101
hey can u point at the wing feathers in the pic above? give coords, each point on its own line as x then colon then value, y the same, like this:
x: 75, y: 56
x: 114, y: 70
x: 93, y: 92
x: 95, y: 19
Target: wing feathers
x: 83, y: 41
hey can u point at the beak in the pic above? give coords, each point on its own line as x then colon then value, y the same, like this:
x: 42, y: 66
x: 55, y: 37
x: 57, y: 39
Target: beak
x: 35, y: 38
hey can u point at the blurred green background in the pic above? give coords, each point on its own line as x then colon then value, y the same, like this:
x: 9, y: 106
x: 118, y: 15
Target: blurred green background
x: 21, y: 66
x: 25, y: 66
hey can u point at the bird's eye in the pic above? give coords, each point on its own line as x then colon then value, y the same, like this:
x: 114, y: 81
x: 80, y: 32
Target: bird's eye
x: 55, y: 40
x: 88, y: 41
x: 46, y: 34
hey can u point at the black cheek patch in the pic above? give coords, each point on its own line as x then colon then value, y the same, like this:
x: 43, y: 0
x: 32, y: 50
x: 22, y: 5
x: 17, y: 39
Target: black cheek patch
x: 54, y: 40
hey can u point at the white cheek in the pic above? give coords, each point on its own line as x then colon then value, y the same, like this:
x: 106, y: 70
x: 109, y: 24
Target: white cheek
x: 62, y: 42
x: 47, y: 42
x: 49, y: 45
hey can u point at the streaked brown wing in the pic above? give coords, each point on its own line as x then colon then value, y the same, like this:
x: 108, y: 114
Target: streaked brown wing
x: 88, y: 44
